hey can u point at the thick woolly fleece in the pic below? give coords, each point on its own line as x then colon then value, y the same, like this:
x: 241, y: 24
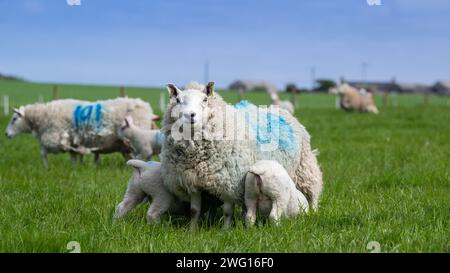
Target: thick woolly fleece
x: 220, y: 166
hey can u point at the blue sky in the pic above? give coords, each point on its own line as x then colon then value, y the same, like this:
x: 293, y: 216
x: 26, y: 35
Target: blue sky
x: 150, y: 43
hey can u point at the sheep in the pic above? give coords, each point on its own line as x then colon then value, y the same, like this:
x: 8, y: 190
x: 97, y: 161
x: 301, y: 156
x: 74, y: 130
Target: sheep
x: 146, y: 184
x: 284, y: 104
x: 210, y: 145
x: 89, y: 125
x: 352, y: 99
x: 270, y: 189
x: 144, y: 143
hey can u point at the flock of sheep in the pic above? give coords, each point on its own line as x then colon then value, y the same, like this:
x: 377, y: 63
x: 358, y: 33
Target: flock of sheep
x: 212, y: 154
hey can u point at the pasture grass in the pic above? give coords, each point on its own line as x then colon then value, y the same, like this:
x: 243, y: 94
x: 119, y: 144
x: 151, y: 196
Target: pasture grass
x: 387, y: 179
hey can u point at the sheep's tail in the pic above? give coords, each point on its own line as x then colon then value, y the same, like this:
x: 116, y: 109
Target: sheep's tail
x: 140, y: 165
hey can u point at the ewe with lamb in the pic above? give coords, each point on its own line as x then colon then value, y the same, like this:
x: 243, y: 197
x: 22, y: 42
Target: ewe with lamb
x: 210, y: 145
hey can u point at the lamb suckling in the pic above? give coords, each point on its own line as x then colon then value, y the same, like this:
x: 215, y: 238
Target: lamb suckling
x: 270, y: 190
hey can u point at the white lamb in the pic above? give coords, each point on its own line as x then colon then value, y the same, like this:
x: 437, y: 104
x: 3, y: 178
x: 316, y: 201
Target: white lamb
x: 146, y: 182
x: 143, y: 142
x: 77, y: 126
x: 270, y: 190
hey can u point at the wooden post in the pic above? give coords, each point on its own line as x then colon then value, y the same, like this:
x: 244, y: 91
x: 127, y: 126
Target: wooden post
x: 41, y: 99
x: 6, y: 105
x: 241, y: 94
x: 425, y: 98
x: 385, y: 99
x: 55, y: 93
x: 122, y: 92
x: 294, y: 97
x: 162, y: 102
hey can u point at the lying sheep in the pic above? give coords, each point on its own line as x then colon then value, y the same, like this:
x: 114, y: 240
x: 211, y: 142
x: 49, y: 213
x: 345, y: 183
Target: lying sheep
x: 220, y: 143
x: 89, y: 125
x: 352, y: 99
x: 147, y: 182
x: 270, y: 189
x: 143, y: 142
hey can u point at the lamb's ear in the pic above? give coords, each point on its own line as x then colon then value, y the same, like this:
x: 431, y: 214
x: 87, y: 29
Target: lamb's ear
x: 155, y: 117
x: 209, y: 89
x: 173, y: 90
x: 128, y: 121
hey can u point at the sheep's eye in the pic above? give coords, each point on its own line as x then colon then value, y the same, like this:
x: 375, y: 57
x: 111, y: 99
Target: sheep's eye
x: 178, y: 100
x: 205, y: 100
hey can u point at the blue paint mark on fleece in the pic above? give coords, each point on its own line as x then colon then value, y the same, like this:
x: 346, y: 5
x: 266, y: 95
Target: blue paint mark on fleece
x: 269, y: 127
x: 83, y: 115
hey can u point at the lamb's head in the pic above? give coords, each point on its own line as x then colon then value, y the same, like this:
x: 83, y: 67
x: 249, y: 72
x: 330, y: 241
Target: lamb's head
x: 191, y: 105
x: 17, y: 124
x: 125, y: 130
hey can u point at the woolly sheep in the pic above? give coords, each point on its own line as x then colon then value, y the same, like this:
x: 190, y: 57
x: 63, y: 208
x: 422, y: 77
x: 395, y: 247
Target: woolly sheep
x: 143, y: 142
x: 270, y: 189
x: 224, y: 142
x: 352, y: 99
x: 90, y: 125
x: 147, y: 182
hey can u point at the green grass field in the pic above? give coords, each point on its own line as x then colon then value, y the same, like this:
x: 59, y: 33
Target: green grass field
x: 387, y: 179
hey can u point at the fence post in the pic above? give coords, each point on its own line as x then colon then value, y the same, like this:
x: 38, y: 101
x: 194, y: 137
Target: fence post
x: 425, y: 98
x: 162, y: 102
x: 55, y: 93
x: 41, y: 99
x: 6, y: 105
x: 241, y: 94
x: 385, y: 99
x: 337, y: 101
x: 122, y: 92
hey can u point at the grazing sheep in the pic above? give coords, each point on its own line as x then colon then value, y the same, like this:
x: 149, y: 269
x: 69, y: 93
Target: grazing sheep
x: 270, y: 189
x: 147, y: 182
x: 81, y: 125
x: 220, y: 142
x: 284, y: 104
x: 143, y: 142
x: 352, y: 99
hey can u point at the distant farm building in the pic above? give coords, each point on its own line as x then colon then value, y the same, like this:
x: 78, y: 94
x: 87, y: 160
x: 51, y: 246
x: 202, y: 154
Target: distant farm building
x: 441, y: 88
x: 244, y: 86
x: 391, y: 87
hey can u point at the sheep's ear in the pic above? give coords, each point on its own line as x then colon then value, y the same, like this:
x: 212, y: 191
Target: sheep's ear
x: 173, y: 90
x: 155, y: 117
x: 209, y: 89
x: 20, y: 112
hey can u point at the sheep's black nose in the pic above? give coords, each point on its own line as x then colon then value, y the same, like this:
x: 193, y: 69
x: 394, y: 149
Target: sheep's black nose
x: 192, y: 115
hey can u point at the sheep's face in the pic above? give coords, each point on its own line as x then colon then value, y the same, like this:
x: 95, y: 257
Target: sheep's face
x: 17, y: 124
x: 191, y: 105
x: 125, y: 128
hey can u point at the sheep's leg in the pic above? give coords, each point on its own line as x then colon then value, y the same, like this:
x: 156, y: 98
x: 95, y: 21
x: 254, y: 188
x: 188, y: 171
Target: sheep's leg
x: 228, y: 208
x: 275, y: 213
x: 44, y: 157
x: 131, y: 199
x: 80, y: 157
x: 97, y: 158
x: 196, y: 206
x: 251, y: 205
x: 73, y: 157
x: 157, y: 208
